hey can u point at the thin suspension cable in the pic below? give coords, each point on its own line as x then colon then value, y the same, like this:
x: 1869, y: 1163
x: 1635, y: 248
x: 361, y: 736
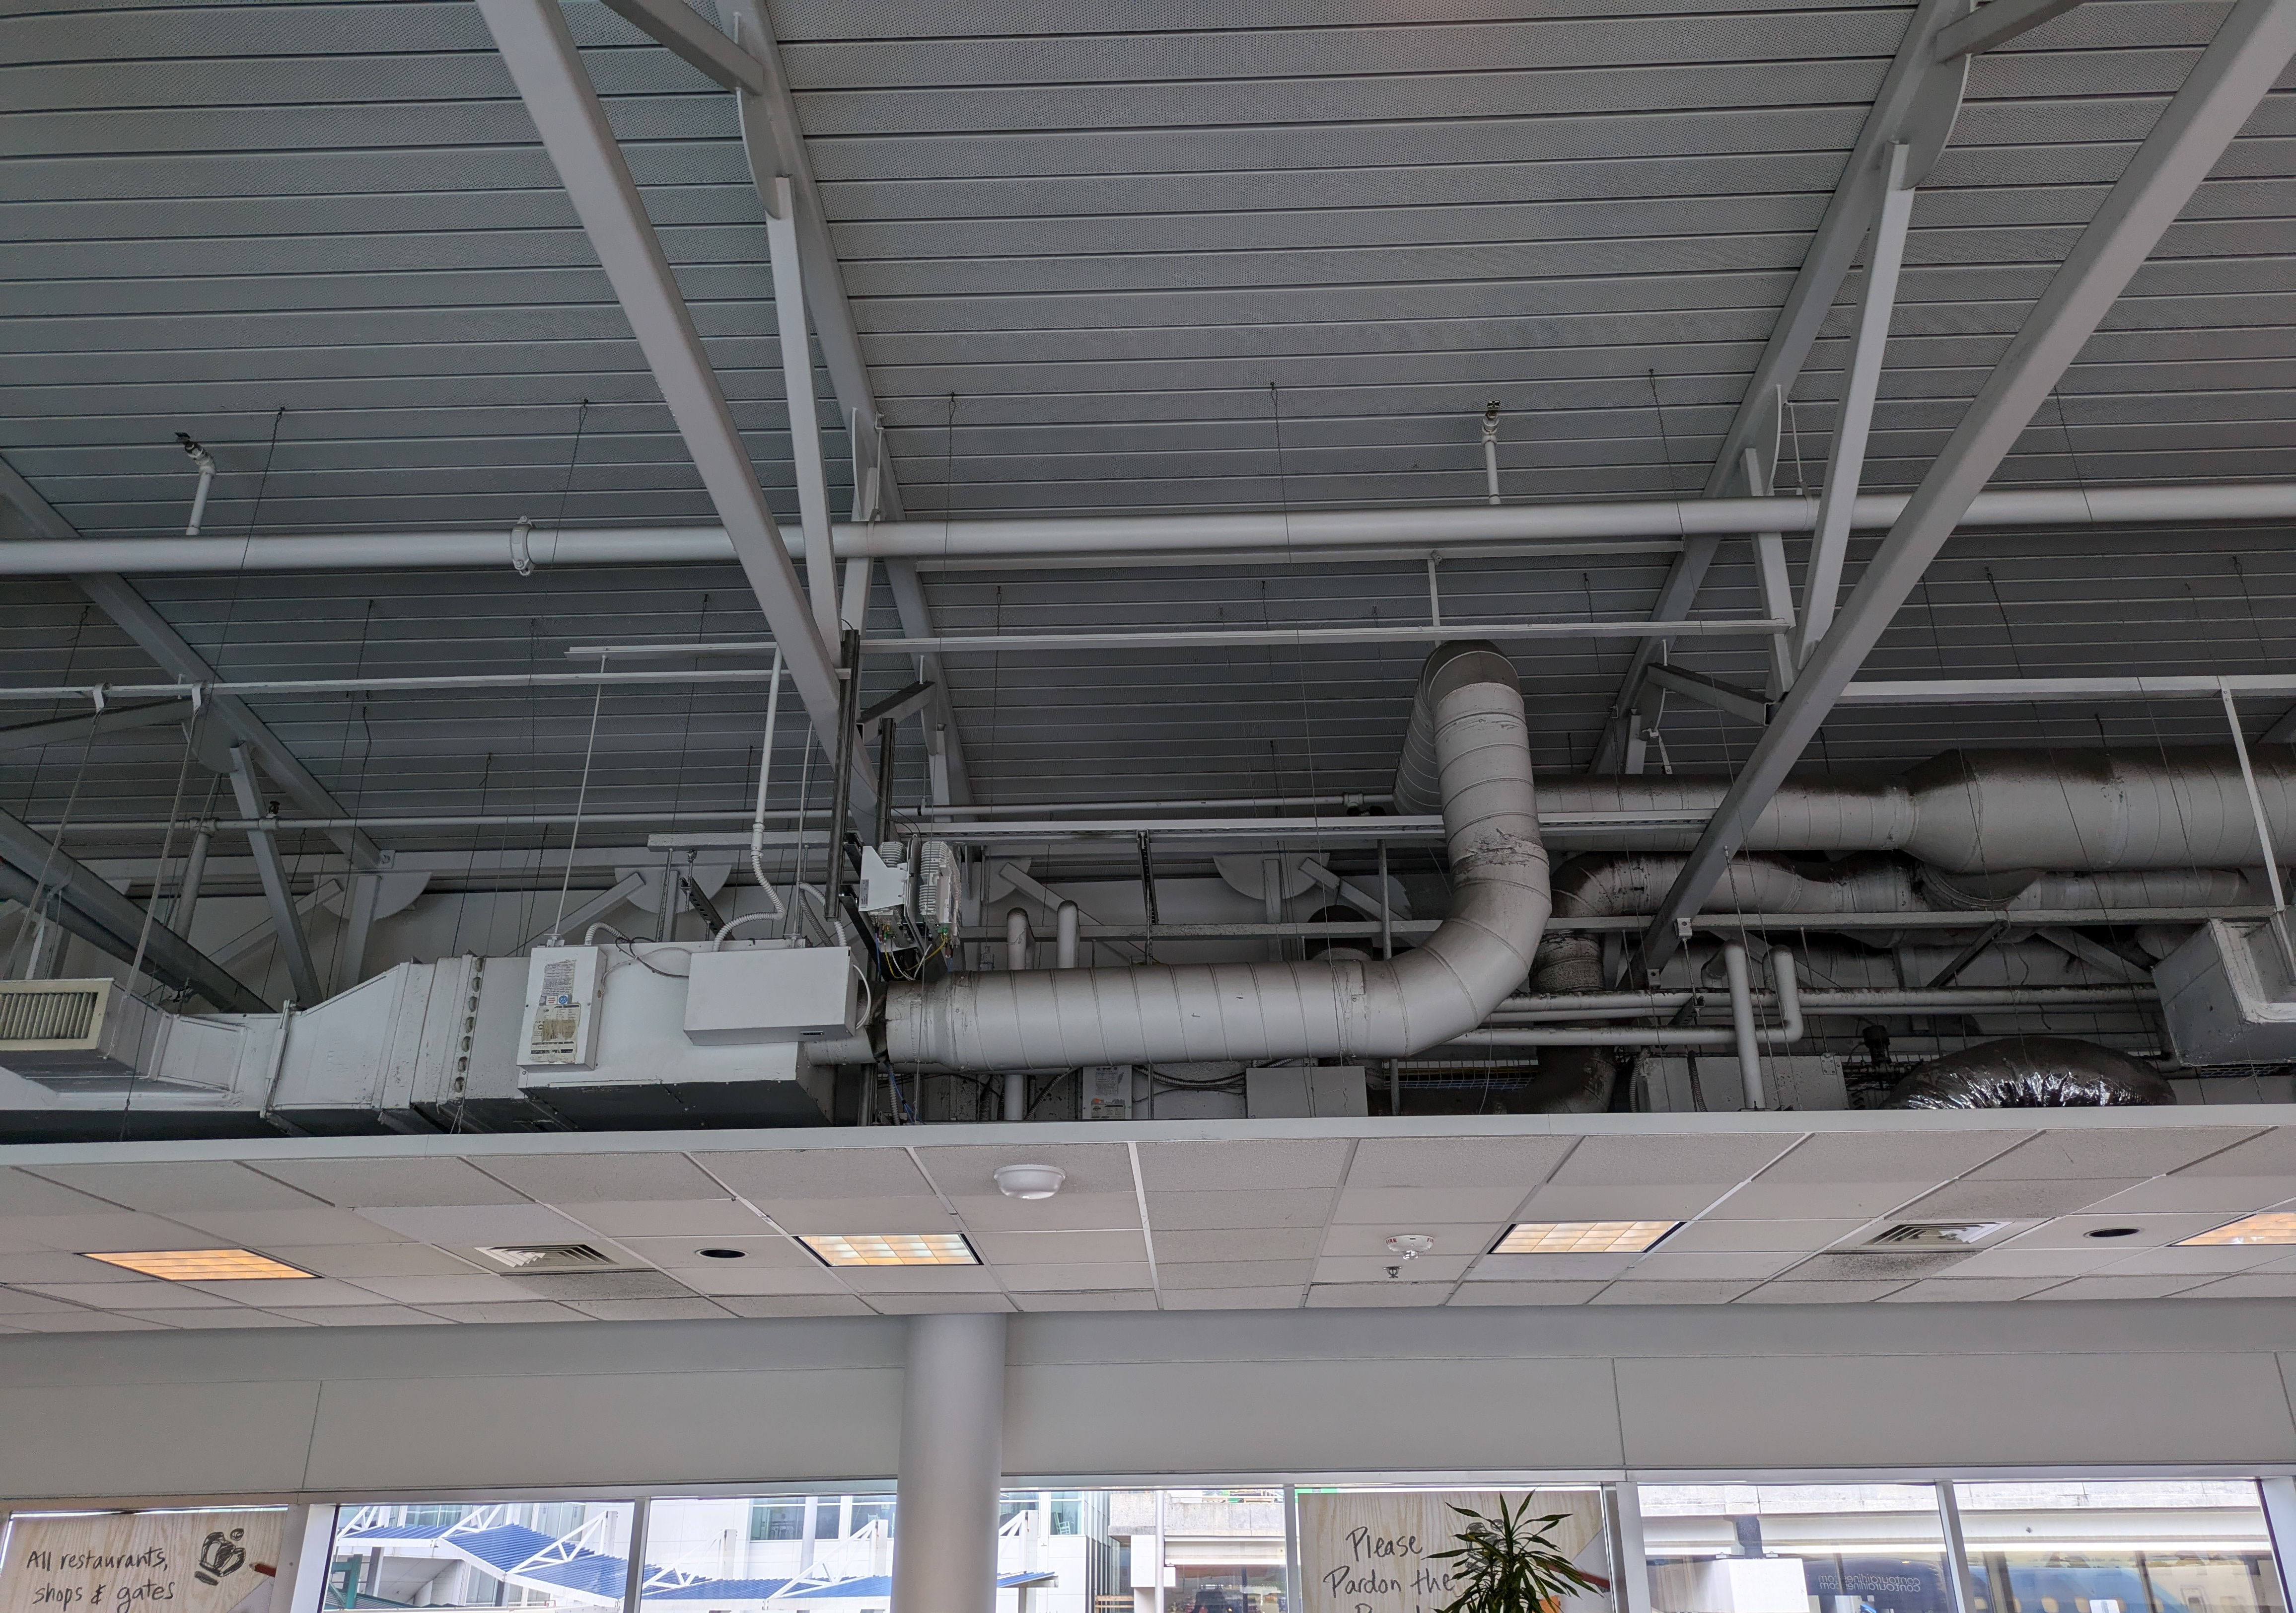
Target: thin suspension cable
x: 581, y: 799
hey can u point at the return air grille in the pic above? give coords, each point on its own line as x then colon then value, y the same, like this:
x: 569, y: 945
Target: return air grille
x: 549, y: 1256
x: 44, y: 1014
x: 1935, y: 1234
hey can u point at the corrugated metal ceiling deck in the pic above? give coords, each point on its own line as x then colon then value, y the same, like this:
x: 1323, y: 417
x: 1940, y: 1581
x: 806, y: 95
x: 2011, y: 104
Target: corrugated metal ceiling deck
x: 1092, y: 258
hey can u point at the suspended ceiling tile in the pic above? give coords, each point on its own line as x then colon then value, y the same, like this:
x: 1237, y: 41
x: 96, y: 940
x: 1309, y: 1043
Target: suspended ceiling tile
x: 1858, y: 1159
x: 186, y: 1185
x: 1260, y: 1166
x: 356, y: 1183
x: 601, y: 1178
x: 816, y: 1174
x: 958, y: 1171
x: 2090, y: 1154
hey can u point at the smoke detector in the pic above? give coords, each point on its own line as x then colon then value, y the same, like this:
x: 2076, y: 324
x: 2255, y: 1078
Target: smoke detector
x: 1030, y: 1181
x: 1936, y: 1234
x: 1411, y: 1246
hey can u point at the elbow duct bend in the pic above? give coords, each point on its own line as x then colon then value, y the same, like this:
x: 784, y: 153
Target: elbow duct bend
x: 1470, y: 744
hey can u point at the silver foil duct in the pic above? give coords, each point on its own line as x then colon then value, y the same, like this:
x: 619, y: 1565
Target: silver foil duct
x: 2031, y: 1073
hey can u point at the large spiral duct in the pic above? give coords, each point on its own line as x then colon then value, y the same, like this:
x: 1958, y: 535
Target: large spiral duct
x: 1468, y: 733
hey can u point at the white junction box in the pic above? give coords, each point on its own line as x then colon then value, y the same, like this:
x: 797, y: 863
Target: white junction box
x: 1305, y: 1091
x: 1790, y: 1081
x: 562, y: 1010
x: 772, y: 994
x: 1730, y: 1584
x: 1107, y: 1092
x: 884, y: 886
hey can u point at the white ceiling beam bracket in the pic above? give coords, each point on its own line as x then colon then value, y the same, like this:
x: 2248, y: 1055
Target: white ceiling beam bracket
x: 544, y: 64
x: 1997, y: 22
x: 1917, y: 103
x: 1853, y: 417
x: 796, y: 388
x: 285, y: 922
x: 2233, y: 75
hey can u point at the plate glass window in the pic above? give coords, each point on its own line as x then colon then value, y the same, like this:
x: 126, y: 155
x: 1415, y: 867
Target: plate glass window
x: 2119, y: 1546
x: 1796, y: 1549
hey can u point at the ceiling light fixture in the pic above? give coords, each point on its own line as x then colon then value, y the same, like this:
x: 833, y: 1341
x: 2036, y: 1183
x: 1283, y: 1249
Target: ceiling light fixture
x: 1030, y: 1181
x: 200, y: 1265
x: 1583, y: 1237
x: 2273, y: 1226
x: 891, y: 1248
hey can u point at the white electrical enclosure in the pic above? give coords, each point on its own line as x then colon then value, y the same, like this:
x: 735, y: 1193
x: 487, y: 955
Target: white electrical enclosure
x: 776, y: 994
x: 1107, y: 1092
x: 562, y: 1010
x: 884, y: 886
x: 1305, y: 1091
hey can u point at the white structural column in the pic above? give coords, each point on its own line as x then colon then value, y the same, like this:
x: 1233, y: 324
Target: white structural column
x: 1853, y: 419
x: 1917, y: 90
x: 797, y: 385
x: 952, y: 1466
x: 544, y: 64
x: 2250, y: 48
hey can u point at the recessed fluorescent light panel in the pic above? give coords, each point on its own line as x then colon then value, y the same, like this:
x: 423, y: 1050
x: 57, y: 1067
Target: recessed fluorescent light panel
x: 2279, y: 1226
x: 892, y: 1249
x: 201, y: 1265
x: 1583, y: 1237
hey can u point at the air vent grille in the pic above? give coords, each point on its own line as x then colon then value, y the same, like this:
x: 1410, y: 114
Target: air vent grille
x: 1935, y: 1234
x: 549, y: 1256
x: 44, y: 1015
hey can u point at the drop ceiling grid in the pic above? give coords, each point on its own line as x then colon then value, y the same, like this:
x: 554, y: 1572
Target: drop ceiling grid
x: 1356, y: 1189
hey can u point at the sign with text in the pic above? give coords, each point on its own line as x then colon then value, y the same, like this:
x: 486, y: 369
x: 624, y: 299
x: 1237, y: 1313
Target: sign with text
x: 1372, y: 1551
x: 144, y: 1562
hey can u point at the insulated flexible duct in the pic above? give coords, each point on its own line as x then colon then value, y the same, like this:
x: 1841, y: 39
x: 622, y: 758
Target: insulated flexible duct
x: 2031, y: 1073
x: 1468, y: 731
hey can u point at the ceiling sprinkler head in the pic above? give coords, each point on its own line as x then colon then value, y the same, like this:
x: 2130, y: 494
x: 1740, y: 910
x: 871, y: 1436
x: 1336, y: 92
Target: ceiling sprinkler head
x: 1030, y: 1181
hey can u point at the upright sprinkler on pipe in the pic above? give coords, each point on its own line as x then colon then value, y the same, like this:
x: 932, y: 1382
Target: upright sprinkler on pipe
x: 201, y: 458
x: 1491, y: 449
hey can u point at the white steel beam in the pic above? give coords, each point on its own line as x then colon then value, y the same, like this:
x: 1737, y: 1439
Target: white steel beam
x: 1853, y: 417
x: 1996, y: 23
x: 285, y: 922
x: 1512, y: 531
x: 2233, y: 75
x: 1916, y: 102
x: 544, y: 64
x: 775, y: 142
x: 134, y: 616
x: 111, y: 719
x: 796, y: 388
x: 35, y: 869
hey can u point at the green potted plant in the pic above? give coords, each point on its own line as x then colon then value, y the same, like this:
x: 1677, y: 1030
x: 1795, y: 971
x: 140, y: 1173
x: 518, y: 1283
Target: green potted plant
x: 1508, y: 1563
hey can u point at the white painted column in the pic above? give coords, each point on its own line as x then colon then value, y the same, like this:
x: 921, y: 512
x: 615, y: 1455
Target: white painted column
x: 952, y: 1466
